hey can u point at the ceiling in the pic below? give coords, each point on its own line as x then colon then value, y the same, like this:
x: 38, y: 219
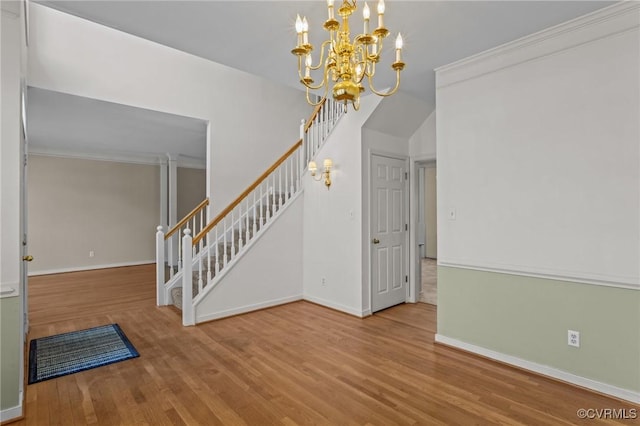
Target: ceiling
x: 257, y: 36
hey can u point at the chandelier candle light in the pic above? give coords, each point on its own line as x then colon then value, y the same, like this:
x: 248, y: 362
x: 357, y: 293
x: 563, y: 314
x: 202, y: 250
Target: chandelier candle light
x: 345, y: 63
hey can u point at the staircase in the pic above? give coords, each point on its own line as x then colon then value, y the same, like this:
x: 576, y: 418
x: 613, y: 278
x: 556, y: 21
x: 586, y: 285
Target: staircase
x: 206, y: 253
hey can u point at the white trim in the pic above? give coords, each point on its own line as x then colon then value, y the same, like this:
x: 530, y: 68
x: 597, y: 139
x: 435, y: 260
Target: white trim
x: 629, y: 283
x: 337, y: 306
x: 9, y: 289
x: 626, y: 394
x: 117, y: 157
x: 90, y: 267
x: 11, y: 413
x: 247, y: 308
x: 609, y: 21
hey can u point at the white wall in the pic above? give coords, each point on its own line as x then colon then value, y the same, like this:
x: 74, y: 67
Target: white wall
x: 422, y: 144
x: 11, y: 302
x: 269, y: 274
x: 76, y: 206
x: 192, y: 189
x: 252, y: 121
x: 332, y: 223
x: 10, y: 150
x: 538, y: 154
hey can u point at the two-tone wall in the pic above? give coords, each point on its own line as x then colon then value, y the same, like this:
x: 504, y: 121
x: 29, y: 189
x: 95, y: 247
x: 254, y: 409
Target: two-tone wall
x: 539, y: 201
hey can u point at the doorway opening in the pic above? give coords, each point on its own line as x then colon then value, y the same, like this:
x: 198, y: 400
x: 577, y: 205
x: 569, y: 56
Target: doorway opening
x: 427, y: 234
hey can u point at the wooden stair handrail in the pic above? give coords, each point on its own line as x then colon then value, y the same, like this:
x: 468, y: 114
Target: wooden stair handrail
x: 315, y: 112
x: 246, y: 192
x: 187, y: 218
x: 258, y: 181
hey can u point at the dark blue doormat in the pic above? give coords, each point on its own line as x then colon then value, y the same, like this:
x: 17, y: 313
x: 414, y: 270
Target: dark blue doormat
x: 68, y: 353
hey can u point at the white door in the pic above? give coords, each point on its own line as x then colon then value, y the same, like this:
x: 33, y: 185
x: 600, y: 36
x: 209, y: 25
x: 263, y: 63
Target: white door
x: 388, y: 232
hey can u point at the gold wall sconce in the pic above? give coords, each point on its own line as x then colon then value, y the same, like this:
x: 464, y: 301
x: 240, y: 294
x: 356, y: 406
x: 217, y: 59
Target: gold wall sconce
x: 326, y: 174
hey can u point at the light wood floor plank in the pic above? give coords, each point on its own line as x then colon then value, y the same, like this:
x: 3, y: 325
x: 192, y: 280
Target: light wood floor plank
x: 294, y: 364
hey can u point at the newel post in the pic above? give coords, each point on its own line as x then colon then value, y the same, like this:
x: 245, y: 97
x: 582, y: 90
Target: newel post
x: 160, y: 268
x: 188, y: 317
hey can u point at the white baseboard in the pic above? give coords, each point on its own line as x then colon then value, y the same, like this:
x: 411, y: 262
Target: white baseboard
x: 626, y: 394
x: 11, y: 413
x: 338, y: 307
x: 89, y: 268
x: 246, y: 308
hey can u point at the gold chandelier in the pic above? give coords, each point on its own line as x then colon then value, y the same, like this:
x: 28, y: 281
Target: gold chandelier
x: 347, y: 62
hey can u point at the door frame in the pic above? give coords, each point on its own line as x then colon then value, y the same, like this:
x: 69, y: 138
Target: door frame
x: 367, y: 282
x: 415, y: 264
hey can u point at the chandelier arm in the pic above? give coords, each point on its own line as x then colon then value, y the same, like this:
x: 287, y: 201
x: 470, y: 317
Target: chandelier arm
x: 309, y: 85
x: 322, y: 83
x: 390, y: 92
x: 322, y: 49
x: 322, y: 99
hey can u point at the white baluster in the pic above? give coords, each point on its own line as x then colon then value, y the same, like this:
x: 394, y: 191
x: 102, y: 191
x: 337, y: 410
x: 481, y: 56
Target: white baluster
x: 180, y: 257
x: 303, y: 135
x: 280, y: 194
x: 273, y: 196
x: 255, y: 216
x: 261, y: 223
x: 319, y: 129
x: 325, y: 122
x: 247, y: 236
x: 208, y: 258
x: 217, y: 244
x: 233, y: 237
x: 240, y: 235
x: 188, y: 317
x: 199, y: 266
x: 302, y: 162
x: 290, y: 174
x: 224, y: 241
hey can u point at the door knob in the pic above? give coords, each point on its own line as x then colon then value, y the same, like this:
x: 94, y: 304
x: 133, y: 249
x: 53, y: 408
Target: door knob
x: 376, y: 241
x: 27, y: 258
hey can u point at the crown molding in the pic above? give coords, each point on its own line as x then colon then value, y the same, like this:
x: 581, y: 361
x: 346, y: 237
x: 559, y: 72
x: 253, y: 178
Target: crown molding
x: 613, y: 20
x: 117, y: 157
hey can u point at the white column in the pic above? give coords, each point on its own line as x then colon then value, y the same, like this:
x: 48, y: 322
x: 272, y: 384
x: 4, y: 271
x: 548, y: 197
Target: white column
x: 172, y: 201
x: 164, y: 206
x: 164, y: 194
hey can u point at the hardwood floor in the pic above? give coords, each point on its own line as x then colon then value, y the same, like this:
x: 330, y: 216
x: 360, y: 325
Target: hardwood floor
x: 294, y: 364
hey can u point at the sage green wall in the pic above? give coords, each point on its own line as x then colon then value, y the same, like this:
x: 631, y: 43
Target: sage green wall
x: 529, y: 317
x: 10, y: 352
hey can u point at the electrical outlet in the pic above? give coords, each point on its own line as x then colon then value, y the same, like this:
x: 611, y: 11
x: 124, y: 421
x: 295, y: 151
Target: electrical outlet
x: 92, y: 253
x: 324, y: 282
x: 573, y: 338
x: 452, y: 213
